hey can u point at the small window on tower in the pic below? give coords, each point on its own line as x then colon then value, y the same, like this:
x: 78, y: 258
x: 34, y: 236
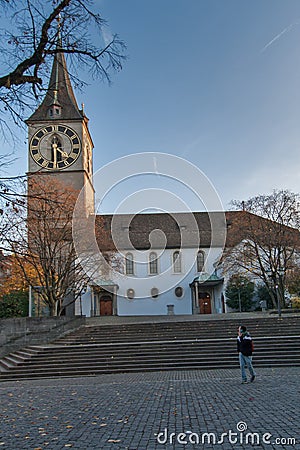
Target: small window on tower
x: 57, y: 111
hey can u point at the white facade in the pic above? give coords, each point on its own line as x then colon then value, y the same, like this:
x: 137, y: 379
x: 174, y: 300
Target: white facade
x: 158, y: 283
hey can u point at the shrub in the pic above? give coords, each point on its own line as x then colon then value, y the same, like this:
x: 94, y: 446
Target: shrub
x: 14, y: 304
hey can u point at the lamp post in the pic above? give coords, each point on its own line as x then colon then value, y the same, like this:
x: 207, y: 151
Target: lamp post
x: 278, y: 301
x: 280, y: 275
x: 30, y: 302
x: 240, y: 303
x: 240, y: 284
x: 78, y: 295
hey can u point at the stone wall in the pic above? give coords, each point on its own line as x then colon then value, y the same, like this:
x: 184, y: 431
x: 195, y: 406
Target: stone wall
x: 21, y: 332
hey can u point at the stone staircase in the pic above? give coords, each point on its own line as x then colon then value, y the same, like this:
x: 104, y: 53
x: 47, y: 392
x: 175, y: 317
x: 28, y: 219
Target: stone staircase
x: 156, y: 346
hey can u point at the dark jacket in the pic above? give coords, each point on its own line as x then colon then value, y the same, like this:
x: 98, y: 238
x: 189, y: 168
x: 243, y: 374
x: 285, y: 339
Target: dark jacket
x: 245, y: 344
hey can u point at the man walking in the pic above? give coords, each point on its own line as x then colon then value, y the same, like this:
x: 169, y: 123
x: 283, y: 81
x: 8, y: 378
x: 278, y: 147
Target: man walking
x: 245, y: 349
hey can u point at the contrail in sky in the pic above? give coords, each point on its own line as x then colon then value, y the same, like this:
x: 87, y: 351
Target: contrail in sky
x: 286, y: 30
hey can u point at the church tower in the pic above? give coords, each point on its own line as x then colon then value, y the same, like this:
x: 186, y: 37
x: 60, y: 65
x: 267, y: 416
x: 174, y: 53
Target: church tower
x: 60, y: 144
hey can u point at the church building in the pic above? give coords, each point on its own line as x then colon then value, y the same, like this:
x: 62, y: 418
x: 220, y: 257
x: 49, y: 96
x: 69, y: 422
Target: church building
x: 170, y: 277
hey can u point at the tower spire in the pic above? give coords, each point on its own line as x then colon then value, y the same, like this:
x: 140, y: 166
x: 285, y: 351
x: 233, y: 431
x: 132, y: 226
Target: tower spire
x: 58, y: 46
x: 59, y: 101
x: 59, y: 41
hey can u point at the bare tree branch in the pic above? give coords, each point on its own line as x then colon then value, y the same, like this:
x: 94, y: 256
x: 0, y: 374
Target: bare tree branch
x: 28, y: 46
x: 266, y: 239
x: 46, y: 252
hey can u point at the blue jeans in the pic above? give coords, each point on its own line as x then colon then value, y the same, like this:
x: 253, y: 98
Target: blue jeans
x: 246, y: 361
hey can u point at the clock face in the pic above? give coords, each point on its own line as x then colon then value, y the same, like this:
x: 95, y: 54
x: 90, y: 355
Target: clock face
x: 55, y: 147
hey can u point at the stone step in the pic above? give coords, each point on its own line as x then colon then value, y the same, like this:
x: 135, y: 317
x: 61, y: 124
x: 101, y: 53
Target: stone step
x: 124, y: 363
x: 98, y: 371
x: 197, y: 325
x: 155, y: 347
x: 177, y: 321
x: 150, y: 355
x: 160, y: 336
x: 128, y: 332
x: 12, y: 359
x: 279, y: 340
x: 143, y: 354
x: 205, y: 347
x: 82, y: 360
x: 146, y: 361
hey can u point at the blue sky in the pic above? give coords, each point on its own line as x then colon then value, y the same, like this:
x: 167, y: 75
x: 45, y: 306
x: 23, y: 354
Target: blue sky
x: 216, y: 82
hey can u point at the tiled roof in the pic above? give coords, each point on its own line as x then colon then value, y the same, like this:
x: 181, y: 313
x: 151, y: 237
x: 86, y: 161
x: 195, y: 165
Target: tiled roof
x: 164, y: 230
x: 180, y: 230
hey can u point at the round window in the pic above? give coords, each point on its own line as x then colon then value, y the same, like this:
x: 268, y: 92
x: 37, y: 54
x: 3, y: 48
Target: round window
x: 154, y: 292
x: 130, y: 294
x: 179, y: 291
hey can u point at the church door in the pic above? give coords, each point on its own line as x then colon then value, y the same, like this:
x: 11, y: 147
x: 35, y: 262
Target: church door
x: 106, y: 308
x: 204, y: 303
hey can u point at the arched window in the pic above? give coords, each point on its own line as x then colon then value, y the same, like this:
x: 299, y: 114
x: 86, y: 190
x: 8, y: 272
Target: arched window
x: 177, y: 261
x: 153, y: 265
x: 129, y: 264
x: 200, y: 261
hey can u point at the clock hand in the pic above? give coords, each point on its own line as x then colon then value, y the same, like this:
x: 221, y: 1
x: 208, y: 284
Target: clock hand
x: 55, y: 147
x: 64, y: 154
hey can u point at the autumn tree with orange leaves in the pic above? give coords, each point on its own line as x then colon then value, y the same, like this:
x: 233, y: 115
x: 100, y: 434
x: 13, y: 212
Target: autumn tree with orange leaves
x: 12, y: 277
x: 42, y: 244
x: 14, y: 293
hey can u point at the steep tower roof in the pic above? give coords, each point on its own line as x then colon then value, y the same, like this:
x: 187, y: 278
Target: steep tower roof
x: 59, y: 102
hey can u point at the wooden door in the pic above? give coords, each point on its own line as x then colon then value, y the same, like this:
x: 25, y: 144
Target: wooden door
x: 204, y: 303
x: 106, y: 306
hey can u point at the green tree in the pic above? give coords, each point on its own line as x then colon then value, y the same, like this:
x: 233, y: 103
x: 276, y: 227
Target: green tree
x: 239, y: 293
x: 14, y: 304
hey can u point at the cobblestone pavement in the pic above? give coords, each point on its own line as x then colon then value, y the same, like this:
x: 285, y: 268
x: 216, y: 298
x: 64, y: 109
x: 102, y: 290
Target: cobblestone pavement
x: 140, y: 411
